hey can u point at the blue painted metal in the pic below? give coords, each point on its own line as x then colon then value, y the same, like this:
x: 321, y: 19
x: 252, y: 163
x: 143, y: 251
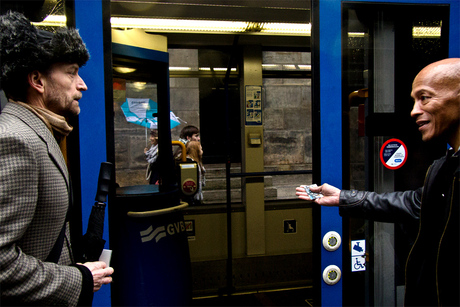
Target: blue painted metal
x: 331, y: 134
x: 92, y: 119
x: 331, y: 118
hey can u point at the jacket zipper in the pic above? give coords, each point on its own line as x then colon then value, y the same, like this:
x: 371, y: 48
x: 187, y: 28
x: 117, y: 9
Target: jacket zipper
x: 428, y: 173
x: 442, y: 236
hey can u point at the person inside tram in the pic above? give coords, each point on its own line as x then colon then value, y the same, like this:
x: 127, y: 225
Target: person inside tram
x: 432, y: 267
x: 151, y: 155
x: 39, y: 76
x: 187, y: 134
x: 195, y: 153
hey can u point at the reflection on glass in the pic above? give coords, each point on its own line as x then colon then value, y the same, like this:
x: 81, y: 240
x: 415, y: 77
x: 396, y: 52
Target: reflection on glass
x: 130, y: 138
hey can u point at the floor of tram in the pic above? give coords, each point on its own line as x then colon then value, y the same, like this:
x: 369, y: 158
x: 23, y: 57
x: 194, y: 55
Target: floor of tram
x: 291, y: 297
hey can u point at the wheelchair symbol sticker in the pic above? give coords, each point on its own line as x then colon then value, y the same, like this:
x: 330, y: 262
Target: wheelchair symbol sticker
x: 358, y: 255
x: 358, y: 263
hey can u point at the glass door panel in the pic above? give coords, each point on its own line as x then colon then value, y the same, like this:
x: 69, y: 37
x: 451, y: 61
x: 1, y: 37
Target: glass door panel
x: 384, y: 47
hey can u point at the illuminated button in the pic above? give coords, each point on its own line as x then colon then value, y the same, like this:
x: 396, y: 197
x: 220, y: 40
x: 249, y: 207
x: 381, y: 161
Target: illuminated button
x: 332, y: 241
x: 332, y: 274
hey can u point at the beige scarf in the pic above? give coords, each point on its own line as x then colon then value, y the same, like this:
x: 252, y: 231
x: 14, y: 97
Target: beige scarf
x: 55, y: 123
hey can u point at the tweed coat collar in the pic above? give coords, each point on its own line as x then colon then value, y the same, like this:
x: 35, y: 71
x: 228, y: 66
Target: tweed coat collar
x: 40, y: 128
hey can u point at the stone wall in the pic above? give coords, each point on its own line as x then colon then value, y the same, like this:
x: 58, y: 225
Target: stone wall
x: 287, y: 127
x: 184, y: 92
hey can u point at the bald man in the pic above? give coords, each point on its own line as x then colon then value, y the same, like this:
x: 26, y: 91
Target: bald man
x: 432, y: 268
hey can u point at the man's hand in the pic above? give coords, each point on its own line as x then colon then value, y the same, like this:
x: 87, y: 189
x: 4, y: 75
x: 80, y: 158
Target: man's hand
x: 101, y: 273
x: 330, y: 193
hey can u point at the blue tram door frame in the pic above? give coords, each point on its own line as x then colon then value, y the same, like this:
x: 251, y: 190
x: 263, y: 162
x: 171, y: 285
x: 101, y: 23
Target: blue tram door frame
x: 92, y: 19
x: 326, y: 51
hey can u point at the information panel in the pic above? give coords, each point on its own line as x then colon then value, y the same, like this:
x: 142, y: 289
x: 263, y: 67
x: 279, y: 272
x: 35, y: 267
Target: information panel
x: 253, y: 105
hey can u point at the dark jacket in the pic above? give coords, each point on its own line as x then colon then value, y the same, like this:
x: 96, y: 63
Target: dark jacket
x: 432, y: 268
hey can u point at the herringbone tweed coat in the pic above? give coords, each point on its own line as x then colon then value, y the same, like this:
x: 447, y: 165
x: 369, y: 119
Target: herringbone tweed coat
x: 34, y: 198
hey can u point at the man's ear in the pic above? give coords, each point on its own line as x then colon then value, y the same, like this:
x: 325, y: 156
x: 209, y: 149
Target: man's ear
x: 36, y: 81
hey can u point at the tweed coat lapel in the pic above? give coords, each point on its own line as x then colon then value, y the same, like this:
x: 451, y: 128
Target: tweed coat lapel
x: 36, y: 124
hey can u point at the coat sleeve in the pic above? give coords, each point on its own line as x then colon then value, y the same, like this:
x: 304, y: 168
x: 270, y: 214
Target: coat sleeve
x: 27, y: 279
x: 386, y: 207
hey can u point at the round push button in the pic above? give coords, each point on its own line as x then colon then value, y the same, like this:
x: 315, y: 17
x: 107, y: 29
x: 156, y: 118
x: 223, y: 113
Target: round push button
x: 332, y: 241
x: 332, y: 274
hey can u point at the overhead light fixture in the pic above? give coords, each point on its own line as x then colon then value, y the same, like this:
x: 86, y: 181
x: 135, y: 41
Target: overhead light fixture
x: 180, y: 68
x: 52, y: 21
x: 211, y: 26
x: 356, y: 34
x: 124, y: 70
x: 284, y: 67
x: 193, y: 26
x: 139, y: 85
x: 304, y: 67
x: 426, y: 32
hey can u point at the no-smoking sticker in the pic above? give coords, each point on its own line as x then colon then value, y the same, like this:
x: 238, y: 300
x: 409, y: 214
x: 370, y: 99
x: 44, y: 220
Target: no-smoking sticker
x: 393, y: 154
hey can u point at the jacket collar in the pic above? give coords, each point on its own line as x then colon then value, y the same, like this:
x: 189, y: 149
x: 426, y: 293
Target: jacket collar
x: 40, y: 128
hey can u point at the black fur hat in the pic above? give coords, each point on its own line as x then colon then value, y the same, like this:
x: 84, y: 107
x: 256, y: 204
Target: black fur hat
x: 24, y: 48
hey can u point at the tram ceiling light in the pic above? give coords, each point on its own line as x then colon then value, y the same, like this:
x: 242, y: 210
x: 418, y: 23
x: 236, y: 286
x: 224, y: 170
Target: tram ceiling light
x: 304, y: 67
x: 124, y: 70
x: 417, y: 32
x: 426, y: 32
x: 191, y: 26
x: 281, y: 67
x: 177, y: 25
x: 52, y: 21
x: 356, y: 34
x: 172, y: 68
x: 211, y: 26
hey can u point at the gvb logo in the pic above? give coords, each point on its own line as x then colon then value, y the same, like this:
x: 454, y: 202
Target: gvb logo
x: 149, y: 234
x: 160, y: 232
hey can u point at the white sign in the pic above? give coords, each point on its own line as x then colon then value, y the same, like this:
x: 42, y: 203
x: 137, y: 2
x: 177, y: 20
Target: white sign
x: 358, y: 255
x: 358, y: 263
x: 358, y: 248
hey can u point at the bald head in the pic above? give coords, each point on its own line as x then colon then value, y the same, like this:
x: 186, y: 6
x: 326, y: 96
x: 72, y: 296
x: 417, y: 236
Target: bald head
x: 436, y: 94
x: 444, y: 73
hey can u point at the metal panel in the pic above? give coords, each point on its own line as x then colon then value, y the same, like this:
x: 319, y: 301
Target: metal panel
x: 92, y: 119
x: 331, y: 134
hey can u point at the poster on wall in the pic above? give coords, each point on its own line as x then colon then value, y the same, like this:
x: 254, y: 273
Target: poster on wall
x: 253, y: 105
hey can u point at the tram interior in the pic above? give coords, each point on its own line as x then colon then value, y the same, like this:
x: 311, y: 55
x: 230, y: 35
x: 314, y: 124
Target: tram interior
x: 198, y: 66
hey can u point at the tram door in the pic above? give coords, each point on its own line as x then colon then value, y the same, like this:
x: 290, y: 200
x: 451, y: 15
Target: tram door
x: 384, y: 46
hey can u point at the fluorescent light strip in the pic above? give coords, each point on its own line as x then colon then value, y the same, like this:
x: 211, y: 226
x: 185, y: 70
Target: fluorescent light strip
x: 286, y: 67
x: 356, y: 34
x: 177, y: 25
x: 304, y: 67
x: 181, y: 25
x: 426, y: 32
x: 180, y: 68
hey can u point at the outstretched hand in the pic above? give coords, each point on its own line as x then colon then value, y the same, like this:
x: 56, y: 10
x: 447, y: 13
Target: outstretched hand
x: 101, y: 273
x: 330, y: 193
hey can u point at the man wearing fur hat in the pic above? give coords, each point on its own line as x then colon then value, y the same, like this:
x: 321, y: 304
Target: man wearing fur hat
x: 39, y: 75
